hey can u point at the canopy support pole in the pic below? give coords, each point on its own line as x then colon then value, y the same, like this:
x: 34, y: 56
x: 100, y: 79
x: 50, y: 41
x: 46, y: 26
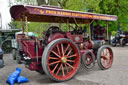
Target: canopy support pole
x: 75, y: 22
x: 67, y: 25
x: 22, y: 25
x: 107, y: 31
x: 26, y: 26
x: 89, y: 31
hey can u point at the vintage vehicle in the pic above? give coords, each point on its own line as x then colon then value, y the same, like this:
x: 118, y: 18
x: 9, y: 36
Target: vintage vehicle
x: 6, y: 36
x: 120, y: 38
x: 59, y: 53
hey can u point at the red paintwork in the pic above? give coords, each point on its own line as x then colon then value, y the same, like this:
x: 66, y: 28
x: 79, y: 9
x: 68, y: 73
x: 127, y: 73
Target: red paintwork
x: 55, y: 36
x: 29, y: 48
x: 20, y: 36
x: 33, y: 66
x: 88, y: 44
x: 75, y: 38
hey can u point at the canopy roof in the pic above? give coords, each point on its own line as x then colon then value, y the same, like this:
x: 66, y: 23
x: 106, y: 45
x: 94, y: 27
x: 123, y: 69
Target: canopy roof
x: 55, y: 15
x: 9, y: 30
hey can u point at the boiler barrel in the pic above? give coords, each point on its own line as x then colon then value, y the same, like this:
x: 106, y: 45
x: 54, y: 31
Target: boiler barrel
x: 97, y: 44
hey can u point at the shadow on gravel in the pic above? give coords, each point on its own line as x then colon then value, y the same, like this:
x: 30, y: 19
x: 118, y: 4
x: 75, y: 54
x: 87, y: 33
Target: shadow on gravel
x: 46, y: 81
x: 72, y: 81
x: 75, y: 81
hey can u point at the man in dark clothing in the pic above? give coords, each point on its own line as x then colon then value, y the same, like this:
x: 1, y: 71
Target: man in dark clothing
x: 1, y: 58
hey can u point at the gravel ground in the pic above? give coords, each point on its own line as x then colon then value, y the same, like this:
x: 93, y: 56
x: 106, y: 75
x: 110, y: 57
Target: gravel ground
x: 116, y: 75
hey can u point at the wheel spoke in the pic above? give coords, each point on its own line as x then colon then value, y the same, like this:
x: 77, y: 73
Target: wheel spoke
x: 103, y: 53
x: 54, y: 62
x: 55, y: 68
x: 63, y: 71
x: 53, y: 58
x: 67, y: 48
x: 66, y: 68
x: 71, y: 56
x: 70, y: 65
x: 108, y: 61
x: 58, y: 49
x: 104, y: 62
x: 71, y: 60
x: 62, y: 49
x: 69, y: 51
x: 56, y: 54
x: 107, y: 52
x: 58, y: 69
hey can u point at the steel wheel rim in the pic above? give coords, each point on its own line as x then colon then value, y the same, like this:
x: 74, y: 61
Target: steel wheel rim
x: 89, y: 59
x: 123, y: 42
x: 106, y: 57
x: 6, y: 46
x: 65, y: 61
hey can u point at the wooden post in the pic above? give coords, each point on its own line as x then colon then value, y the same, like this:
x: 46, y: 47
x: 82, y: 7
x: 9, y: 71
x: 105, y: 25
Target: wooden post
x: 26, y: 26
x: 89, y: 31
x: 107, y: 31
x: 22, y: 25
x: 67, y: 26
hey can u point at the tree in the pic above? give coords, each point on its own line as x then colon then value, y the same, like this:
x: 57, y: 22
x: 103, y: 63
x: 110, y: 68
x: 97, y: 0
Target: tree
x: 14, y: 24
x: 41, y: 2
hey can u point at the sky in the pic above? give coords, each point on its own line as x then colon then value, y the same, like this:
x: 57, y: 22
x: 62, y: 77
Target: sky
x: 4, y: 10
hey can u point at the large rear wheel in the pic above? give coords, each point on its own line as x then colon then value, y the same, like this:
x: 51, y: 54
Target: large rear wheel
x: 105, y: 57
x: 61, y: 59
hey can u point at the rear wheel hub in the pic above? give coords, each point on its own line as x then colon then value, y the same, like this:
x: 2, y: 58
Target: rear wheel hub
x: 63, y: 59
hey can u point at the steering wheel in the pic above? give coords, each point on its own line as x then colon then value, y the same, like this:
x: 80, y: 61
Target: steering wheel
x: 50, y: 31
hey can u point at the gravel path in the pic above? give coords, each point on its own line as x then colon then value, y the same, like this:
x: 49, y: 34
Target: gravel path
x: 116, y: 75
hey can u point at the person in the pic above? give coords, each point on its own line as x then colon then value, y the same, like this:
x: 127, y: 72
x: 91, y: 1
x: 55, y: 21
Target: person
x: 3, y: 37
x: 1, y: 58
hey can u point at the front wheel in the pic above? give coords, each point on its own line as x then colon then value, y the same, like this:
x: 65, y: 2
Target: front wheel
x: 122, y: 42
x: 113, y: 42
x: 88, y: 60
x: 104, y: 57
x: 61, y: 59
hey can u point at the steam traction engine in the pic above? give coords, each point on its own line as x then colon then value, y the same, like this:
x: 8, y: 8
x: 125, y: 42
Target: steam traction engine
x: 59, y: 54
x: 121, y: 38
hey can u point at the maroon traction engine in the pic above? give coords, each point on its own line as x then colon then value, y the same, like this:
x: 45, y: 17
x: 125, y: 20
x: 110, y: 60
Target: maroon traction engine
x: 59, y: 54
